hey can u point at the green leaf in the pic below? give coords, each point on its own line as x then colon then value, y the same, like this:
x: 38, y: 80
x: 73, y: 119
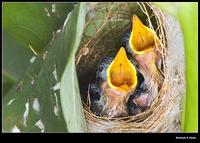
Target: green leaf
x: 16, y: 14
x: 187, y: 14
x: 59, y: 12
x: 191, y: 50
x: 7, y: 85
x: 16, y: 60
x: 70, y: 95
x: 71, y: 101
x: 28, y: 23
x: 39, y: 85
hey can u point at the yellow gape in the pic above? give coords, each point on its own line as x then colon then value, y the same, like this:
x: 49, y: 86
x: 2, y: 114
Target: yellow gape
x: 122, y: 73
x: 142, y: 38
x: 144, y: 44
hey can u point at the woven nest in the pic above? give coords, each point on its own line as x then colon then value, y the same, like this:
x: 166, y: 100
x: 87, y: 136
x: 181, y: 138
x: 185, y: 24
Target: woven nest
x: 105, y: 24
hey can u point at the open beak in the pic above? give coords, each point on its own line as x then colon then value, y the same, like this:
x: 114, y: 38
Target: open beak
x: 143, y: 42
x: 142, y: 38
x: 121, y: 73
x: 121, y: 83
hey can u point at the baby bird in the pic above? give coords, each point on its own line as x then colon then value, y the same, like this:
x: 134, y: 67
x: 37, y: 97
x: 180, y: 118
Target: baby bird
x: 116, y: 80
x: 142, y: 43
x: 138, y: 102
x: 96, y: 95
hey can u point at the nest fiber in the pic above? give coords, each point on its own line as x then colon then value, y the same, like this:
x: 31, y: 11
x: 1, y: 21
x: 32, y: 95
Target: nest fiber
x: 105, y: 24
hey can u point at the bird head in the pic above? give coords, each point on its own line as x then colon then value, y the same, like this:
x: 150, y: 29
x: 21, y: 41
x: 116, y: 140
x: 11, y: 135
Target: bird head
x: 142, y: 38
x: 143, y: 42
x: 121, y: 83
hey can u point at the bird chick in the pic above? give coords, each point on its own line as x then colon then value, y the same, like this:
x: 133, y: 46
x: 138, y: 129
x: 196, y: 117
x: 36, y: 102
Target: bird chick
x: 143, y: 43
x: 96, y: 95
x: 121, y: 83
x: 115, y: 81
x: 105, y: 105
x: 97, y: 103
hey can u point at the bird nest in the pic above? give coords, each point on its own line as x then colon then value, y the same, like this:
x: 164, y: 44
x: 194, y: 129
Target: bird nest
x: 105, y: 24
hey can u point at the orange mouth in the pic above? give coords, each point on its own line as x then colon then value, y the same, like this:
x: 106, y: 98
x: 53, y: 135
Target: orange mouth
x: 142, y: 38
x: 122, y: 73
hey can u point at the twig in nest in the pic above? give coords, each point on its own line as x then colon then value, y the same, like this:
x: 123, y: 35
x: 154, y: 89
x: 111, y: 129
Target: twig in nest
x: 88, y: 96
